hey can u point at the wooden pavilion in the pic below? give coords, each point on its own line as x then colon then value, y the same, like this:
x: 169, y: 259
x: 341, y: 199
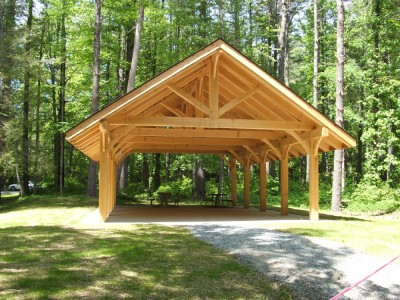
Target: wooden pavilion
x: 216, y: 101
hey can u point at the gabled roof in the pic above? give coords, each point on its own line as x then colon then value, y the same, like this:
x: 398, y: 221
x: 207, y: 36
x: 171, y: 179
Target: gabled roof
x: 215, y: 101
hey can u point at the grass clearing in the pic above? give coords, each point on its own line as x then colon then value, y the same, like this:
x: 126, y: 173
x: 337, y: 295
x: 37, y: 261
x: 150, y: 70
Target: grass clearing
x: 375, y: 236
x: 46, y: 253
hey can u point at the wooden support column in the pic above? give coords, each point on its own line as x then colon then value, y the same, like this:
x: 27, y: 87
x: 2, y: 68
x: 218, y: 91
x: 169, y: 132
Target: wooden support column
x: 106, y: 202
x: 314, y: 183
x: 263, y: 183
x: 284, y: 172
x: 233, y: 171
x: 247, y: 183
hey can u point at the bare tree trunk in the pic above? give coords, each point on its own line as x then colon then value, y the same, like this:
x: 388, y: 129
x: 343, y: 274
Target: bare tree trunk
x: 121, y: 73
x: 282, y: 39
x: 91, y: 181
x: 136, y: 48
x: 157, y: 171
x: 199, y: 179
x: 38, y: 103
x: 167, y: 167
x: 25, y: 133
x: 123, y: 177
x: 339, y: 154
x: 63, y: 83
x: 221, y: 175
x: 7, y: 28
x: 315, y: 77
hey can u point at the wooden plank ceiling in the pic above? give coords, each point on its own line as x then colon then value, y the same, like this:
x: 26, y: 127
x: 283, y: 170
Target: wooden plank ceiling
x: 216, y: 101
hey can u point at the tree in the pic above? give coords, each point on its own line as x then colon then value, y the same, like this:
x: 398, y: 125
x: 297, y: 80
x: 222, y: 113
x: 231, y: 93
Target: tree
x: 339, y: 154
x: 27, y: 75
x: 283, y: 42
x: 7, y: 27
x: 131, y: 84
x: 91, y: 181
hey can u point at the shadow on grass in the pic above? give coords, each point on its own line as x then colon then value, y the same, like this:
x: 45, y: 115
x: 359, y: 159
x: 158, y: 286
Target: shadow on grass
x: 314, y: 271
x: 48, y: 201
x: 144, y: 262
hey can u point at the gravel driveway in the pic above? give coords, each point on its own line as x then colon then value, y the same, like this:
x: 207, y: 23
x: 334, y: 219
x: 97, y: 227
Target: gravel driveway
x: 312, y: 268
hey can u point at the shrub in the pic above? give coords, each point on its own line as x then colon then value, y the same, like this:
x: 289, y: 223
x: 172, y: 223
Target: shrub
x: 379, y: 198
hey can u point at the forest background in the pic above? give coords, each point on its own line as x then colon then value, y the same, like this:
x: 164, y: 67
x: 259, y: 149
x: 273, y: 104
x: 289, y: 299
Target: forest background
x: 46, y: 61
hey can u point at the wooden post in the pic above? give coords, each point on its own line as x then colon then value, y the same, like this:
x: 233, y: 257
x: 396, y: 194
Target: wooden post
x: 284, y: 168
x: 233, y: 172
x: 103, y: 185
x: 263, y: 183
x: 247, y: 183
x: 314, y: 185
x: 106, y: 175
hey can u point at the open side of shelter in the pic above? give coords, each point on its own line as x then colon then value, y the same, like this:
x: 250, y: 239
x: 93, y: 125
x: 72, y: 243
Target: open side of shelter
x: 219, y: 102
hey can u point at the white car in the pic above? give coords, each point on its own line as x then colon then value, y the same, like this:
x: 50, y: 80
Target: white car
x: 17, y: 187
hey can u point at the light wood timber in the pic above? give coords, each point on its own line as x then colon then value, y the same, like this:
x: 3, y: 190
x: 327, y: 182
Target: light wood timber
x: 314, y: 184
x: 272, y: 147
x: 200, y: 133
x: 284, y: 173
x: 175, y: 111
x: 230, y: 105
x: 247, y: 183
x: 216, y: 101
x: 263, y: 183
x: 255, y: 155
x: 189, y: 98
x: 213, y: 86
x: 197, y: 141
x: 178, y: 147
x: 233, y: 172
x: 304, y: 105
x: 217, y: 123
x: 104, y: 177
x: 300, y: 140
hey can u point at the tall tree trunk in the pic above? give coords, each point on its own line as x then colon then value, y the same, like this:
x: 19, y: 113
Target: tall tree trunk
x: 91, y: 181
x: 37, y: 121
x: 146, y: 173
x: 199, y: 179
x: 221, y: 18
x: 339, y: 154
x: 7, y: 28
x: 157, y: 171
x: 122, y: 56
x: 25, y: 132
x: 315, y: 75
x: 63, y: 83
x: 221, y: 175
x: 282, y: 39
x: 131, y: 85
x: 167, y: 167
x: 360, y: 144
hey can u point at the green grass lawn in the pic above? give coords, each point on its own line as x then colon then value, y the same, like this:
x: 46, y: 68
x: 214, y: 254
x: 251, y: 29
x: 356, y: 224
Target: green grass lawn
x: 45, y: 253
x: 372, y: 235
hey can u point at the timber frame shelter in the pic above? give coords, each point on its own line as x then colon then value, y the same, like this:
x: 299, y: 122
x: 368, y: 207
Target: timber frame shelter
x: 215, y: 101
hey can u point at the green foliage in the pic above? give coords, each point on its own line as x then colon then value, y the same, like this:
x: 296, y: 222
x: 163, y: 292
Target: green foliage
x: 379, y: 198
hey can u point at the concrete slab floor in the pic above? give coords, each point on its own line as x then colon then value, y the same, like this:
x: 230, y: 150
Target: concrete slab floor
x: 189, y: 215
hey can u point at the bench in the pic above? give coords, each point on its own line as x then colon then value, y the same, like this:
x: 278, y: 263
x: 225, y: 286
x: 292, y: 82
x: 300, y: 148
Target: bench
x: 228, y: 202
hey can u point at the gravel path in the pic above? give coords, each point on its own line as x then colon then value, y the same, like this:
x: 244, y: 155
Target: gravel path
x: 312, y: 268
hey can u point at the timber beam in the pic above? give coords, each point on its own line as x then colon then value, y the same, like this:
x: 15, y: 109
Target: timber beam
x: 216, y: 123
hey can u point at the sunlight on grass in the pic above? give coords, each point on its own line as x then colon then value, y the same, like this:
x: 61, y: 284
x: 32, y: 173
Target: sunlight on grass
x: 378, y: 237
x: 47, y: 253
